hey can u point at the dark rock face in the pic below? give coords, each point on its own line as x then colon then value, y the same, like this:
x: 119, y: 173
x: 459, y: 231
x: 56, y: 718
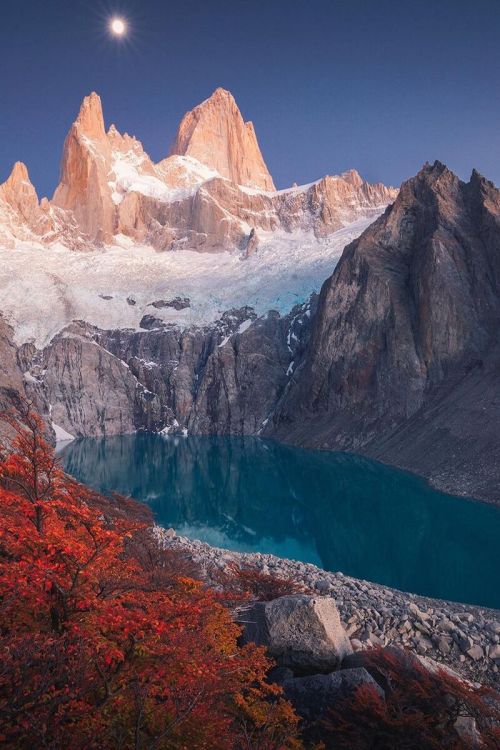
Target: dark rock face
x: 93, y: 392
x: 149, y: 322
x: 313, y: 696
x: 12, y: 385
x: 226, y: 378
x: 179, y: 303
x: 15, y: 385
x: 404, y: 354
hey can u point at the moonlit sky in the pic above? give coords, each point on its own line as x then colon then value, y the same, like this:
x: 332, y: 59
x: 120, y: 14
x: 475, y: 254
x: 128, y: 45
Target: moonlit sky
x: 381, y: 85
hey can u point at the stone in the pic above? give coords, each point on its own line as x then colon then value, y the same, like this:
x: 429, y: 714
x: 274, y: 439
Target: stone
x: 356, y: 644
x: 465, y: 642
x: 467, y: 730
x: 323, y: 585
x: 314, y: 695
x: 494, y: 652
x: 475, y: 653
x: 444, y: 645
x: 301, y: 632
x: 278, y: 675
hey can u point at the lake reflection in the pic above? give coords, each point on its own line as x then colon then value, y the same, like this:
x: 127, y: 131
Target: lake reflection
x: 338, y: 511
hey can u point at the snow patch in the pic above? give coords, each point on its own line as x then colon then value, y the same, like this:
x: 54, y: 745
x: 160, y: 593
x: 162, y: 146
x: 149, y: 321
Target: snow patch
x: 45, y: 289
x: 62, y: 436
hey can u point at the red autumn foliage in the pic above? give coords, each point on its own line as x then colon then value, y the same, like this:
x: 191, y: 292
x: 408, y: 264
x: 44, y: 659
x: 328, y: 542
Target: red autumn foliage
x: 248, y: 583
x: 420, y: 710
x: 106, y: 642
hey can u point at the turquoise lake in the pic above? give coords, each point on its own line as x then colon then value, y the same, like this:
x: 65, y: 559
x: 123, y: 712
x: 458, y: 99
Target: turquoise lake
x: 339, y: 511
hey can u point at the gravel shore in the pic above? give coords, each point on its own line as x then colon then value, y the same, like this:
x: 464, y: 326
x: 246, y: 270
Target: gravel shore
x: 464, y: 637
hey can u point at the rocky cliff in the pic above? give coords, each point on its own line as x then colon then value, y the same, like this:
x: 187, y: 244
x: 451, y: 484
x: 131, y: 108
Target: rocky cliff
x: 215, y: 134
x: 403, y: 356
x: 221, y: 379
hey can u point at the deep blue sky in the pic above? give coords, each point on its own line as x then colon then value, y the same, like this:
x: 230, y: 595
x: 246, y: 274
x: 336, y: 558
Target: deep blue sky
x: 379, y: 85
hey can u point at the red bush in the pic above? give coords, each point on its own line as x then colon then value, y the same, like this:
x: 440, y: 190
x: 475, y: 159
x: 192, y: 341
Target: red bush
x: 248, y: 583
x: 105, y: 647
x: 419, y: 712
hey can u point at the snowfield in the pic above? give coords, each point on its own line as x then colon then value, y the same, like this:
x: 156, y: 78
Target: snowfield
x: 43, y: 289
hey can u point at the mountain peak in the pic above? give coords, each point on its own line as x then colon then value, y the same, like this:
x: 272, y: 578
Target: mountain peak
x: 18, y: 184
x: 221, y: 93
x: 90, y: 120
x: 353, y: 177
x: 19, y: 173
x: 216, y: 135
x: 19, y: 194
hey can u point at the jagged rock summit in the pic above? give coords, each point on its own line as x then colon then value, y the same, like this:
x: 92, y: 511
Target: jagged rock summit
x: 213, y: 193
x: 83, y: 189
x: 216, y: 135
x: 22, y: 217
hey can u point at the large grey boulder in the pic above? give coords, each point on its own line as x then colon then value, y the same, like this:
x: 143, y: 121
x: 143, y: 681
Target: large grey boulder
x: 314, y: 695
x: 301, y: 632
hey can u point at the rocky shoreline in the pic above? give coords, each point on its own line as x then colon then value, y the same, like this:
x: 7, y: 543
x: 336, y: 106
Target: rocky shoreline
x: 461, y: 636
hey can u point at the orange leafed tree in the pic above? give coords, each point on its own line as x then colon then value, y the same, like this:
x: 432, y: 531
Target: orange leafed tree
x: 101, y: 650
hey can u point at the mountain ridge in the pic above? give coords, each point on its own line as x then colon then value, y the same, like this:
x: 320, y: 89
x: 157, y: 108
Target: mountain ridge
x: 398, y: 359
x: 404, y: 348
x: 212, y: 193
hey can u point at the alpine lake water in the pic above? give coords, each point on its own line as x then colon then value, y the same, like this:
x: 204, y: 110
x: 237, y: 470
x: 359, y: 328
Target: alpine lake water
x: 338, y: 511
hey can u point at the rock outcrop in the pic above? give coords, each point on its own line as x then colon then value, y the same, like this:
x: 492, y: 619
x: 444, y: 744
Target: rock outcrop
x: 314, y: 695
x: 17, y: 386
x: 216, y: 135
x: 78, y: 380
x: 404, y: 349
x: 303, y: 633
x: 223, y: 379
x: 83, y: 189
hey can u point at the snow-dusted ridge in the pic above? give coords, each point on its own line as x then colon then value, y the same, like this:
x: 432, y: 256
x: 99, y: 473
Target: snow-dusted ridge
x: 44, y: 288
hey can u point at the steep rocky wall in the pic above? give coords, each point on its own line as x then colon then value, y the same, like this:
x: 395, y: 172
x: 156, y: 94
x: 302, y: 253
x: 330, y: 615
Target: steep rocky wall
x: 15, y: 385
x: 221, y: 379
x: 403, y: 359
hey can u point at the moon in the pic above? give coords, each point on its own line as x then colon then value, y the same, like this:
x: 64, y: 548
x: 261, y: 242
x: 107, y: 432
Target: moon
x: 118, y: 26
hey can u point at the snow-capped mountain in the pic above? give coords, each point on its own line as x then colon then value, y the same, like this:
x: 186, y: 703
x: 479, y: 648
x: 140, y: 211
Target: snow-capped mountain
x: 213, y: 193
x: 269, y: 249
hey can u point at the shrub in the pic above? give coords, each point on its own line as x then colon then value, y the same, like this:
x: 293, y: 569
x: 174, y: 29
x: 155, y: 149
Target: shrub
x: 106, y: 643
x: 419, y: 712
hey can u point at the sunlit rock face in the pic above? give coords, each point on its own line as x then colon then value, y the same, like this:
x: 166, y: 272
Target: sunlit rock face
x: 216, y: 135
x: 213, y: 193
x: 22, y: 217
x: 83, y: 189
